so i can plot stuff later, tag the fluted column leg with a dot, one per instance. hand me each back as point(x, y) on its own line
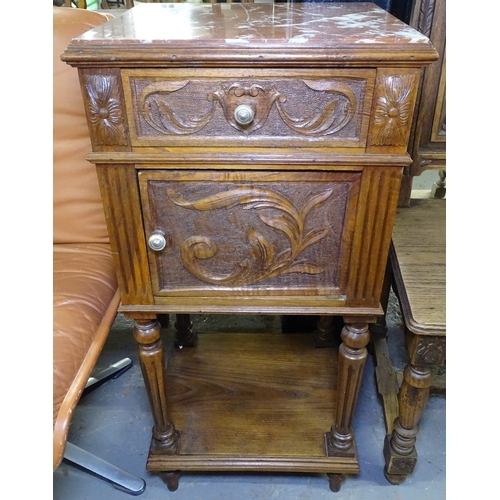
point(352, 358)
point(152, 360)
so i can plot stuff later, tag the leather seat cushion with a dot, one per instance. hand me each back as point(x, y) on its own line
point(78, 215)
point(84, 285)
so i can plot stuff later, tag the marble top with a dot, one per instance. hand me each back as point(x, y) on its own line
point(155, 34)
point(243, 24)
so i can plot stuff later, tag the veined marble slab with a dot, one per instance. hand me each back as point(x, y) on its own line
point(358, 28)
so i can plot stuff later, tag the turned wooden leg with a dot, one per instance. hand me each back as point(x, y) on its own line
point(164, 320)
point(152, 359)
point(184, 335)
point(352, 358)
point(323, 335)
point(298, 323)
point(399, 447)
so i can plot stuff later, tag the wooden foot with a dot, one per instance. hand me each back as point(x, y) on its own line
point(394, 478)
point(336, 481)
point(184, 336)
point(171, 479)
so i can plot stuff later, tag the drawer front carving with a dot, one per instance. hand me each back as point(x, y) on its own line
point(199, 108)
point(258, 232)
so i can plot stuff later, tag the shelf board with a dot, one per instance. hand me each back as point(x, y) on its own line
point(245, 401)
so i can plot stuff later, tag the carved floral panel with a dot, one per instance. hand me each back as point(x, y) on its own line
point(254, 234)
point(285, 110)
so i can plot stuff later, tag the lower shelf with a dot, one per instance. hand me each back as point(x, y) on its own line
point(252, 402)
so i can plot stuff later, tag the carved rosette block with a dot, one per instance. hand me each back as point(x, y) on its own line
point(426, 350)
point(393, 111)
point(152, 359)
point(104, 110)
point(394, 104)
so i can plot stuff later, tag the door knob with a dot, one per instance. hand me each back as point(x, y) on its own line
point(157, 242)
point(244, 114)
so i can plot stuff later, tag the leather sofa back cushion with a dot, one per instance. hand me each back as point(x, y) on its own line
point(78, 216)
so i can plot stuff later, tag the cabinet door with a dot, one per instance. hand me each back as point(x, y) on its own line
point(250, 232)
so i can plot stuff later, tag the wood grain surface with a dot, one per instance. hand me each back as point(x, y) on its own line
point(419, 261)
point(250, 393)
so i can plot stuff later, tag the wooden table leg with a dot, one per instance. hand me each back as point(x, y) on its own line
point(352, 358)
point(323, 335)
point(152, 359)
point(184, 335)
point(425, 352)
point(399, 447)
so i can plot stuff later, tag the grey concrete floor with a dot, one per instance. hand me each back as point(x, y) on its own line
point(114, 422)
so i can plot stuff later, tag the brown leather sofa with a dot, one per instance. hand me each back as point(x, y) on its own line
point(84, 282)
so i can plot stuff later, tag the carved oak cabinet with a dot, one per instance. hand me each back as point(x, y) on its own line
point(250, 158)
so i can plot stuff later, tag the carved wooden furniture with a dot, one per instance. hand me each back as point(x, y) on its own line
point(417, 261)
point(86, 296)
point(250, 160)
point(428, 138)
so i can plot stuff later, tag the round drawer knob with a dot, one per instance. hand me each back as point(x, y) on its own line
point(157, 242)
point(244, 114)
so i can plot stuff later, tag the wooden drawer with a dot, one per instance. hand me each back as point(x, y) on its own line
point(196, 107)
point(249, 233)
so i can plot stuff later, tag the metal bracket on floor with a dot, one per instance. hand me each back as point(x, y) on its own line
point(119, 478)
